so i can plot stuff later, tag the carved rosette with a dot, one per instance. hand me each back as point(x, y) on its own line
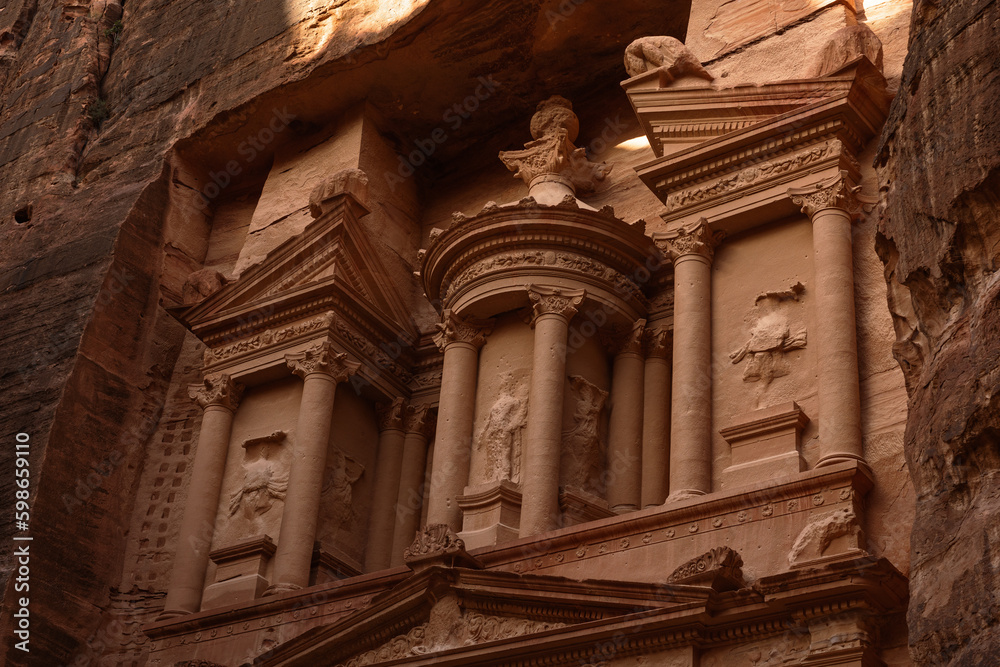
point(659, 343)
point(217, 389)
point(420, 419)
point(627, 341)
point(697, 240)
point(554, 128)
point(454, 329)
point(835, 192)
point(553, 300)
point(322, 358)
point(391, 416)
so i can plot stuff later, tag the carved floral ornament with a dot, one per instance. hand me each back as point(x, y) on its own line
point(217, 389)
point(625, 341)
point(455, 329)
point(391, 416)
point(420, 419)
point(697, 239)
point(322, 358)
point(834, 192)
point(553, 300)
point(658, 342)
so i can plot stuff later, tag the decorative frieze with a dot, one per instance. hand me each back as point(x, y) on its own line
point(217, 389)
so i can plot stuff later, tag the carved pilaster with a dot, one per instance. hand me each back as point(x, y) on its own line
point(217, 389)
point(834, 192)
point(625, 341)
point(658, 343)
point(554, 128)
point(322, 358)
point(698, 239)
point(545, 300)
point(391, 416)
point(420, 419)
point(454, 329)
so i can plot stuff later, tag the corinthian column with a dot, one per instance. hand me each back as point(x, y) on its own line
point(388, 467)
point(321, 369)
point(553, 310)
point(625, 422)
point(460, 341)
point(692, 251)
point(827, 204)
point(218, 396)
point(656, 417)
point(419, 425)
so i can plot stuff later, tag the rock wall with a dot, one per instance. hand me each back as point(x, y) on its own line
point(939, 238)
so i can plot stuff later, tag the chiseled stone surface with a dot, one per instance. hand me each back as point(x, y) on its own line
point(938, 236)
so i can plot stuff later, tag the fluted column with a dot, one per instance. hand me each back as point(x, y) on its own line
point(218, 396)
point(828, 204)
point(692, 251)
point(460, 340)
point(419, 424)
point(656, 417)
point(388, 467)
point(553, 310)
point(624, 479)
point(321, 369)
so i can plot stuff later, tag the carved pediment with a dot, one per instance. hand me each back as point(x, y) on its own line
point(332, 259)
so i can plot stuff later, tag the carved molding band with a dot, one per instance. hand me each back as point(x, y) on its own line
point(322, 358)
point(217, 389)
point(835, 192)
point(552, 300)
point(698, 239)
point(454, 329)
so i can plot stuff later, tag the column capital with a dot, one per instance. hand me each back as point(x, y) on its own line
point(625, 341)
point(546, 300)
point(390, 416)
point(420, 419)
point(217, 389)
point(455, 329)
point(659, 342)
point(833, 192)
point(697, 239)
point(323, 359)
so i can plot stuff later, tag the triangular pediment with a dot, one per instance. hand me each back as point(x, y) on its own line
point(331, 256)
point(451, 611)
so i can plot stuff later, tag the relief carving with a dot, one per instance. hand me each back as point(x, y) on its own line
point(342, 473)
point(625, 341)
point(772, 334)
point(554, 127)
point(391, 415)
point(501, 435)
point(658, 343)
point(820, 533)
point(546, 300)
point(217, 389)
point(267, 337)
point(835, 192)
point(420, 419)
point(453, 329)
point(666, 53)
point(583, 450)
point(437, 544)
point(265, 479)
point(720, 568)
point(697, 239)
point(323, 358)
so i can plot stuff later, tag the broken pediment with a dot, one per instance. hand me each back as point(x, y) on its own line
point(332, 258)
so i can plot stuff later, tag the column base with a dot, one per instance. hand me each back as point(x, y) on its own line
point(278, 589)
point(840, 457)
point(624, 509)
point(683, 494)
point(168, 614)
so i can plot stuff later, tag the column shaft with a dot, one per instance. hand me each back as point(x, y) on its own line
point(450, 468)
point(543, 433)
point(836, 338)
point(625, 433)
point(410, 494)
point(691, 411)
point(655, 431)
point(293, 557)
point(382, 527)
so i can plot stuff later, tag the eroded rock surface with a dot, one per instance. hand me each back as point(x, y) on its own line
point(939, 237)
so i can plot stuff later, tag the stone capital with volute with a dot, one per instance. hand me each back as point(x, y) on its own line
point(697, 240)
point(834, 192)
point(391, 416)
point(553, 300)
point(454, 329)
point(321, 358)
point(626, 341)
point(217, 389)
point(419, 419)
point(658, 342)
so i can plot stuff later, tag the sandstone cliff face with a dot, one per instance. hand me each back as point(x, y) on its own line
point(939, 237)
